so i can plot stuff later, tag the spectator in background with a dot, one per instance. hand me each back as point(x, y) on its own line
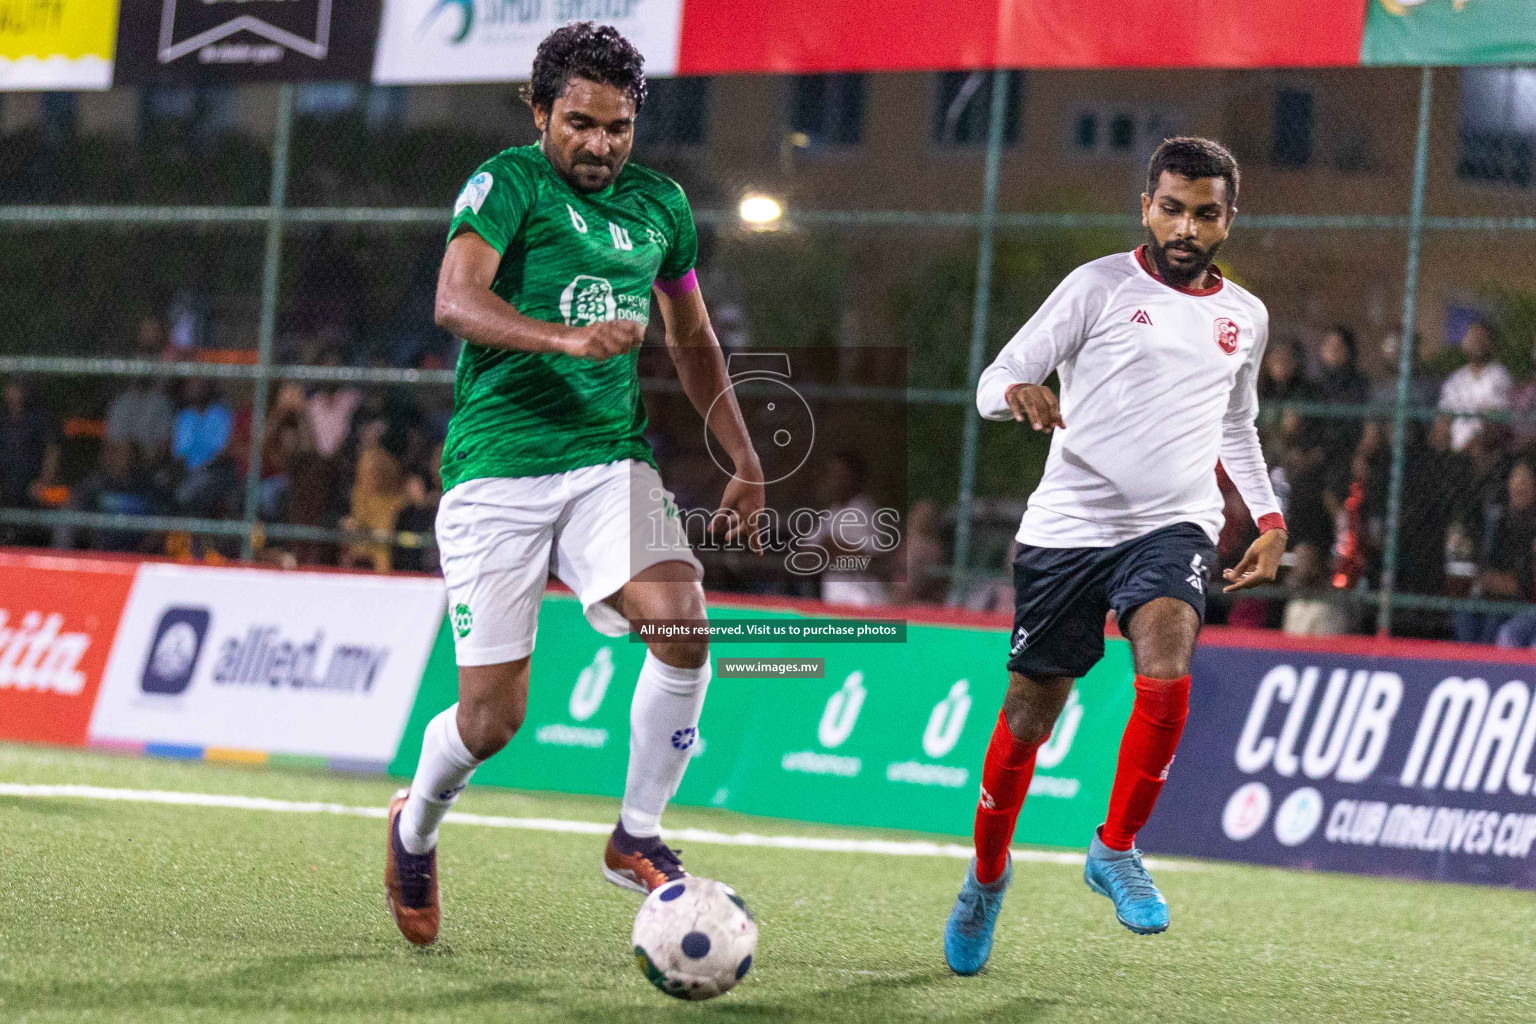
point(141, 414)
point(921, 558)
point(201, 440)
point(288, 438)
point(120, 485)
point(423, 493)
point(1310, 610)
point(379, 494)
point(1523, 412)
point(1483, 385)
point(1504, 570)
point(29, 447)
point(1423, 385)
point(331, 408)
point(848, 531)
point(1340, 382)
point(1280, 380)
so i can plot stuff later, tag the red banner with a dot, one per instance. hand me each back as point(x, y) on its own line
point(909, 35)
point(58, 617)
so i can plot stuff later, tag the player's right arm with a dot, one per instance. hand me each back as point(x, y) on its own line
point(468, 308)
point(1013, 386)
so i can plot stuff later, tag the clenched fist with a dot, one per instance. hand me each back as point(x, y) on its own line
point(605, 339)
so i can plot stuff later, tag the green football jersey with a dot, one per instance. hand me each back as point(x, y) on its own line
point(565, 258)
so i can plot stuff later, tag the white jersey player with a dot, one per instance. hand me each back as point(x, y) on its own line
point(1158, 355)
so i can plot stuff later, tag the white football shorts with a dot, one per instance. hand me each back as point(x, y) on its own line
point(595, 528)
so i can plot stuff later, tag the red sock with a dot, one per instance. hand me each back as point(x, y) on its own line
point(1146, 752)
point(1004, 782)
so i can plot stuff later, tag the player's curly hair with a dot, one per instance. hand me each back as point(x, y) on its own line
point(585, 49)
point(1190, 157)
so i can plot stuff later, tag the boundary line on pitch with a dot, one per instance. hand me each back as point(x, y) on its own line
point(819, 844)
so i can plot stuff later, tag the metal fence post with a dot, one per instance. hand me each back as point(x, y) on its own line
point(267, 327)
point(1405, 354)
point(979, 309)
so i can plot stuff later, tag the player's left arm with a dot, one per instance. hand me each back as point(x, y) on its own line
point(1243, 458)
point(701, 368)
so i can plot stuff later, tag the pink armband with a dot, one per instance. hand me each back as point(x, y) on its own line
point(681, 286)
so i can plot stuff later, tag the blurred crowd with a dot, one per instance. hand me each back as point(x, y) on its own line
point(365, 461)
point(361, 460)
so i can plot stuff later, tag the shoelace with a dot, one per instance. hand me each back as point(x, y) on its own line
point(415, 876)
point(665, 859)
point(1131, 878)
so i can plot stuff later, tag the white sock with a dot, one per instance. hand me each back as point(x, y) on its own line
point(663, 732)
point(441, 775)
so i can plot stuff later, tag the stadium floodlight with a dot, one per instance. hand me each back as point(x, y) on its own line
point(759, 211)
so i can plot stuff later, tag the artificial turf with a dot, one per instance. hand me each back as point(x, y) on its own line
point(144, 912)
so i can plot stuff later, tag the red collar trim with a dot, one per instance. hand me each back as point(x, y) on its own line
point(1213, 270)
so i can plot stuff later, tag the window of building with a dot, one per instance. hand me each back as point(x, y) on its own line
point(1115, 131)
point(828, 109)
point(675, 113)
point(1498, 125)
point(1292, 144)
point(964, 107)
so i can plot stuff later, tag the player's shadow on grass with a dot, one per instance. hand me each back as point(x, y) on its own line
point(889, 999)
point(273, 984)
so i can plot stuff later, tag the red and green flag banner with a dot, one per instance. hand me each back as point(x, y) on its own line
point(1449, 32)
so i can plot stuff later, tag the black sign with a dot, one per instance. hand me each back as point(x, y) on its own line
point(1411, 766)
point(216, 41)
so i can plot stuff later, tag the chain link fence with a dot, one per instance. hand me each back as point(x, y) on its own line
point(218, 337)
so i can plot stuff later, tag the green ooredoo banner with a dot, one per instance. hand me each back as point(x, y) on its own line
point(893, 735)
point(1449, 32)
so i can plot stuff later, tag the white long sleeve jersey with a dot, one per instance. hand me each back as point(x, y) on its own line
point(1157, 385)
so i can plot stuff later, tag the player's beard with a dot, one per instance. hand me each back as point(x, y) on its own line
point(568, 170)
point(1186, 275)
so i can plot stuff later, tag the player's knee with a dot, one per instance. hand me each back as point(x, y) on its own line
point(683, 653)
point(487, 726)
point(1163, 665)
point(1030, 718)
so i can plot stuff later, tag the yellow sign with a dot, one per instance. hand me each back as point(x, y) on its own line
point(57, 44)
point(1402, 7)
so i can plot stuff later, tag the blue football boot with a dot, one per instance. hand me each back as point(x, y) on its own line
point(1119, 874)
point(968, 932)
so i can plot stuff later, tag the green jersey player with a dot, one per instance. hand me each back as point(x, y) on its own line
point(555, 255)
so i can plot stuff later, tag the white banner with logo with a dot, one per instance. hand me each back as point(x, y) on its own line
point(320, 664)
point(442, 41)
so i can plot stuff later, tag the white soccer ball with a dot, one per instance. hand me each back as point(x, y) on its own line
point(694, 938)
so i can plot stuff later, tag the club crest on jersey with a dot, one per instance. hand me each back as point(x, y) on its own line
point(1226, 335)
point(1141, 318)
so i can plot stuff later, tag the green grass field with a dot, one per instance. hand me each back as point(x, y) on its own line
point(144, 912)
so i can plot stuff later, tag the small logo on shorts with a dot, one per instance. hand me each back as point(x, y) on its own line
point(463, 621)
point(1020, 640)
point(1201, 572)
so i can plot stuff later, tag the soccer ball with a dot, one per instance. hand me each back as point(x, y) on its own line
point(694, 938)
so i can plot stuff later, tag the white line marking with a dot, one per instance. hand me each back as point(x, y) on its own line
point(885, 847)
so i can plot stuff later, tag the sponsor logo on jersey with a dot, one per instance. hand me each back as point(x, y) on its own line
point(1141, 317)
point(473, 196)
point(1226, 335)
point(587, 300)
